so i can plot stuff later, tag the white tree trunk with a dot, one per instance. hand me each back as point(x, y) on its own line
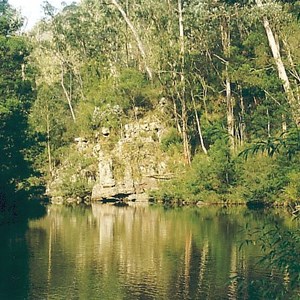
point(199, 126)
point(275, 48)
point(225, 33)
point(242, 125)
point(181, 31)
point(186, 147)
point(136, 36)
point(229, 104)
point(48, 142)
point(67, 95)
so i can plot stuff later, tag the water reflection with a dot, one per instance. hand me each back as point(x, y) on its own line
point(106, 252)
point(13, 262)
point(14, 256)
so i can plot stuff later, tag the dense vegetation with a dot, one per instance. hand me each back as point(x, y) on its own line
point(226, 71)
point(16, 98)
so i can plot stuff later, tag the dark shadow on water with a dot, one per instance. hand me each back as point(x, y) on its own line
point(19, 207)
point(13, 261)
point(16, 209)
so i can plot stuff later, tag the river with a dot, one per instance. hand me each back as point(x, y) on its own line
point(135, 252)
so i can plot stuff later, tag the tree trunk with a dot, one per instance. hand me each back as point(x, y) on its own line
point(199, 127)
point(136, 36)
point(23, 72)
point(242, 124)
point(225, 33)
point(275, 48)
point(269, 123)
point(204, 96)
point(176, 117)
point(229, 104)
point(294, 71)
point(67, 95)
point(48, 143)
point(184, 117)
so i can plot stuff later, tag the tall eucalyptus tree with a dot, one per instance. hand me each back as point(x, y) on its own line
point(136, 36)
point(282, 73)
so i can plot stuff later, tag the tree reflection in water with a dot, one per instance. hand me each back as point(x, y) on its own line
point(138, 252)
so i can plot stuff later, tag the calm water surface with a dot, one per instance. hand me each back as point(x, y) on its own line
point(137, 252)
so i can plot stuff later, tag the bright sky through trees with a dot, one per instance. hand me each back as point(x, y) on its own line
point(32, 9)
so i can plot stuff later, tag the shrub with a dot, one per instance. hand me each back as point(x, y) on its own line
point(171, 138)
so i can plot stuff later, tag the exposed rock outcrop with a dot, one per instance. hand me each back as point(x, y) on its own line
point(105, 168)
point(131, 167)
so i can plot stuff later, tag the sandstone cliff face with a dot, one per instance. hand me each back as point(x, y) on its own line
point(132, 166)
point(127, 167)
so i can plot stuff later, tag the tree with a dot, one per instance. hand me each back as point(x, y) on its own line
point(282, 73)
point(16, 96)
point(136, 36)
point(10, 21)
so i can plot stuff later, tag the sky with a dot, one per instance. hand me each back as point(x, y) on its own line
point(32, 9)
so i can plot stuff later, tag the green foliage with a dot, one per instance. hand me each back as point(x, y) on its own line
point(291, 192)
point(10, 21)
point(264, 180)
point(277, 181)
point(211, 178)
point(171, 139)
point(134, 90)
point(280, 247)
point(16, 96)
point(222, 177)
point(97, 56)
point(77, 175)
point(79, 188)
point(288, 143)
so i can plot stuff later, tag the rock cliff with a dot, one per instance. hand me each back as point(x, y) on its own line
point(127, 166)
point(133, 165)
